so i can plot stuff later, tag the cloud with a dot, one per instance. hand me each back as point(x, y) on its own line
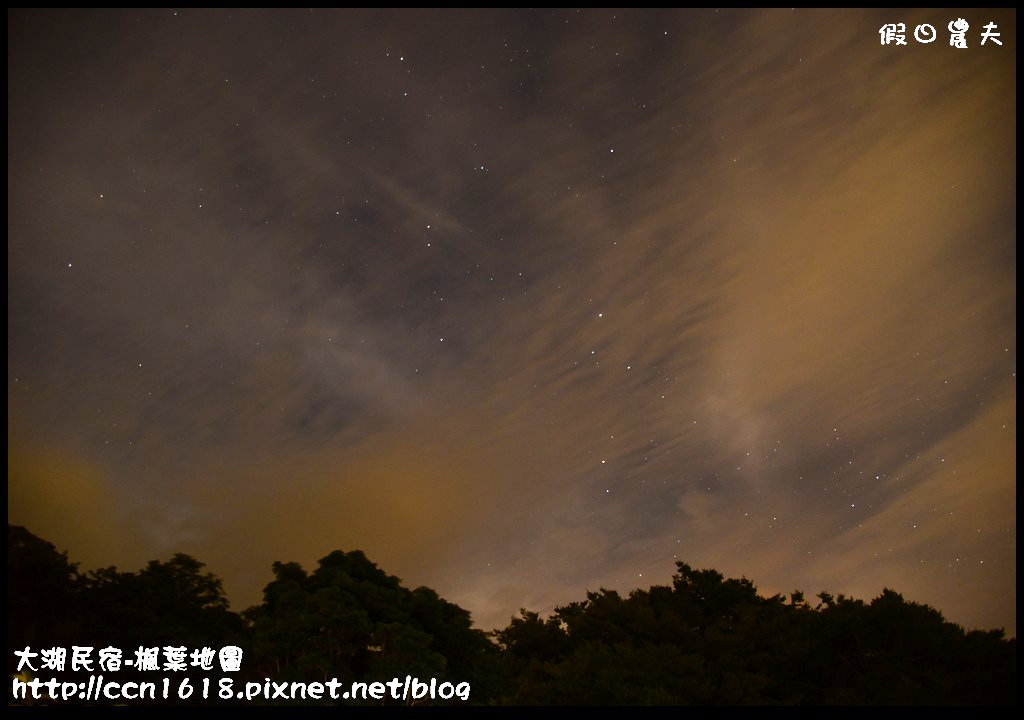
point(69, 501)
point(791, 284)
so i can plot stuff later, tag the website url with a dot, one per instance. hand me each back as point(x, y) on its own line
point(98, 688)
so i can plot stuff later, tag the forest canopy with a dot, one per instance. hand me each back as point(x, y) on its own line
point(703, 640)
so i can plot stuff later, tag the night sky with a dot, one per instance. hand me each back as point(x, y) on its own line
point(519, 303)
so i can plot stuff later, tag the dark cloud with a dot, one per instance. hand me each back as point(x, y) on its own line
point(520, 303)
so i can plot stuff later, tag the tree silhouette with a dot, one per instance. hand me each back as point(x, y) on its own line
point(42, 593)
point(351, 620)
point(709, 640)
point(703, 640)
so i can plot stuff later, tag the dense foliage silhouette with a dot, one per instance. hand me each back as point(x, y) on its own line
point(704, 640)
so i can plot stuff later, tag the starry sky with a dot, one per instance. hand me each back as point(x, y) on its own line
point(520, 303)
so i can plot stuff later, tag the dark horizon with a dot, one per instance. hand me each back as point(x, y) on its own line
point(519, 303)
point(815, 600)
point(702, 640)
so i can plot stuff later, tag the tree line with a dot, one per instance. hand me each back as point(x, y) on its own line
point(703, 640)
